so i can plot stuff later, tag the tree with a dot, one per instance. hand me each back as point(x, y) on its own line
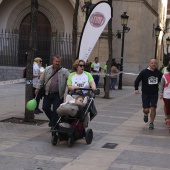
point(74, 33)
point(110, 56)
point(29, 115)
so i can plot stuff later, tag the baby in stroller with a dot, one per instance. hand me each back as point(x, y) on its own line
point(71, 108)
point(75, 114)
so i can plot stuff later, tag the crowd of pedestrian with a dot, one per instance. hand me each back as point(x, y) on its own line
point(55, 78)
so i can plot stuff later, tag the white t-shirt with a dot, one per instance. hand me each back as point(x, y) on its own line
point(83, 80)
point(96, 67)
point(36, 71)
point(166, 93)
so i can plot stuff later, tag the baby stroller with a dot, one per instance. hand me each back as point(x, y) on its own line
point(74, 127)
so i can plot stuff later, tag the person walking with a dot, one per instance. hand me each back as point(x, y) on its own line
point(164, 70)
point(113, 76)
point(37, 71)
point(104, 77)
point(95, 68)
point(164, 92)
point(150, 78)
point(55, 78)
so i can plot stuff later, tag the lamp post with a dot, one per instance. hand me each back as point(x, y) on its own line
point(86, 8)
point(167, 56)
point(124, 21)
point(157, 31)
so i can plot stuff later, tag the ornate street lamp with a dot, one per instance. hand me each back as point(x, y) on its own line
point(157, 31)
point(87, 6)
point(124, 21)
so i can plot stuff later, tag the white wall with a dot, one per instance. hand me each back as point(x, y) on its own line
point(67, 11)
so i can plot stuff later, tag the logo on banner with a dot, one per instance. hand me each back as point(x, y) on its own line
point(97, 19)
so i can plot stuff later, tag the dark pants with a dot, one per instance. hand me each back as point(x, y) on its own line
point(52, 99)
point(149, 100)
point(104, 84)
point(96, 79)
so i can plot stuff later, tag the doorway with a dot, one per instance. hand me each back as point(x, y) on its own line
point(43, 38)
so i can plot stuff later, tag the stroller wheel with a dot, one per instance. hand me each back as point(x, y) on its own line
point(54, 139)
point(70, 141)
point(89, 136)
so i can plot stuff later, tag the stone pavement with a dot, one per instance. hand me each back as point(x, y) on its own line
point(119, 121)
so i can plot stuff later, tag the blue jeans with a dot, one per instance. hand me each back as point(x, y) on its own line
point(52, 99)
point(113, 83)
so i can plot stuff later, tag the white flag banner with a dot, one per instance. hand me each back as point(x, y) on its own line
point(94, 26)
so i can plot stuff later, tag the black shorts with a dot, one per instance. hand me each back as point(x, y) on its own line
point(149, 101)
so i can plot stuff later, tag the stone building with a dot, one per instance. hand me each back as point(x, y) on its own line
point(56, 16)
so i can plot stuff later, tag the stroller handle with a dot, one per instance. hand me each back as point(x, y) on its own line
point(80, 91)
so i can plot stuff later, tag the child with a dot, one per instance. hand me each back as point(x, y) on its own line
point(79, 99)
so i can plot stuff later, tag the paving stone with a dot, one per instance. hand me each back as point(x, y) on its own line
point(143, 159)
point(119, 120)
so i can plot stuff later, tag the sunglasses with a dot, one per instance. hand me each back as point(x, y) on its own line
point(40, 61)
point(82, 65)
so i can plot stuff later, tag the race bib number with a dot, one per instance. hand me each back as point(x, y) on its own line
point(152, 80)
point(80, 84)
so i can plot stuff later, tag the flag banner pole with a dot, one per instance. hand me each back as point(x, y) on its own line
point(93, 28)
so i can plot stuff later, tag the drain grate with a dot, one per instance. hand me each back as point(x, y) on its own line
point(110, 145)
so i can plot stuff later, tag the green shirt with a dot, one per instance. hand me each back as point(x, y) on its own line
point(105, 69)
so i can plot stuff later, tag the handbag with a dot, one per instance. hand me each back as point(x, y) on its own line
point(42, 90)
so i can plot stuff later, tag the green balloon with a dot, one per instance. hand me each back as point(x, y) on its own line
point(31, 105)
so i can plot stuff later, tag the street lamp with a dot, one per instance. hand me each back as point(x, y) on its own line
point(124, 21)
point(86, 8)
point(167, 56)
point(157, 31)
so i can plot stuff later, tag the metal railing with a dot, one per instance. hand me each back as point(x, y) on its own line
point(14, 45)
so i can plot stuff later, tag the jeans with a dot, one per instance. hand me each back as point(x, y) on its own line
point(52, 99)
point(113, 83)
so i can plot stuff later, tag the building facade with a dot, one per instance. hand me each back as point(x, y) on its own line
point(56, 17)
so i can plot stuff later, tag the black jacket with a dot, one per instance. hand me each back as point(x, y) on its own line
point(150, 80)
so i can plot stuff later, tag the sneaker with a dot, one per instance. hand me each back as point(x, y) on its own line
point(151, 126)
point(145, 118)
